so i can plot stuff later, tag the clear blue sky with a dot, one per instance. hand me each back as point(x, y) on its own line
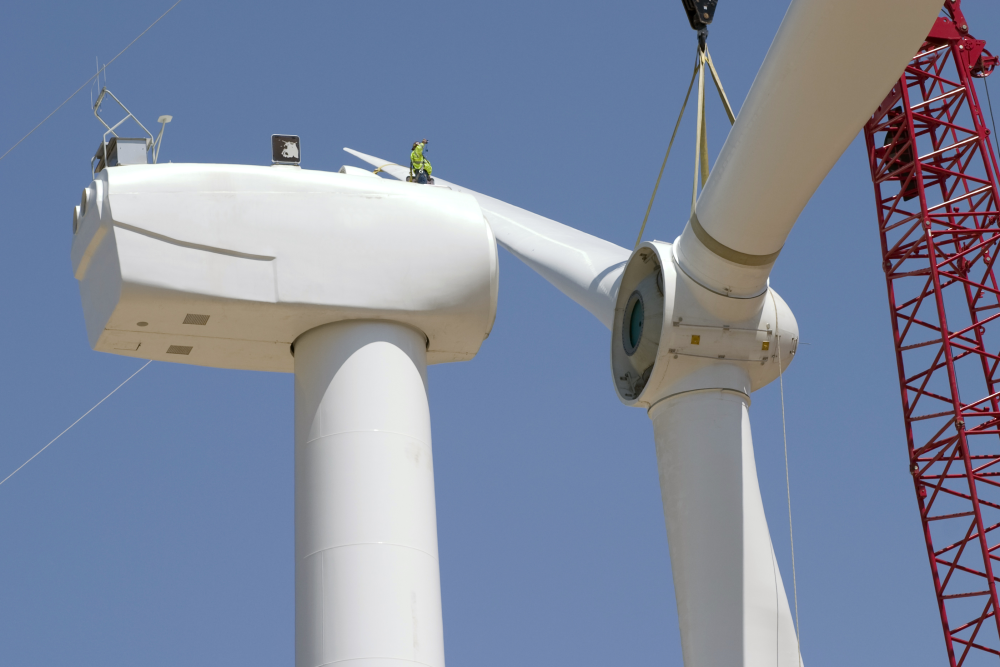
point(159, 530)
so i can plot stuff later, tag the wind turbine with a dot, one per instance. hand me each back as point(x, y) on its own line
point(695, 326)
point(355, 284)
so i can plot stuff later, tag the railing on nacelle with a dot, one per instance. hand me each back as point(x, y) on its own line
point(149, 143)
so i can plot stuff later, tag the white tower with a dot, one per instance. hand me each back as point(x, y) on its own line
point(355, 284)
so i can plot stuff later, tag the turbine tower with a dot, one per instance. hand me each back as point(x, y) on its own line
point(354, 284)
point(695, 327)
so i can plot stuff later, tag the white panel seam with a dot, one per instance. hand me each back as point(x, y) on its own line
point(268, 341)
point(724, 390)
point(193, 246)
point(358, 544)
point(373, 430)
point(376, 657)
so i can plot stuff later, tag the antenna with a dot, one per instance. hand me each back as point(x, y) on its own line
point(163, 120)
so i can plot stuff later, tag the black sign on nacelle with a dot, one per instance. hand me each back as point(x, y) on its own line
point(285, 149)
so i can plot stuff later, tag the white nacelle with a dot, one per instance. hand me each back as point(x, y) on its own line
point(225, 265)
point(687, 338)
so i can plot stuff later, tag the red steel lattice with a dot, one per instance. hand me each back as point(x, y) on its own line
point(935, 177)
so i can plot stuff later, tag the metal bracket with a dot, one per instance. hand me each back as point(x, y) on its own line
point(111, 128)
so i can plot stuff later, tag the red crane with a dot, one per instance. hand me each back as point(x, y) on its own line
point(935, 178)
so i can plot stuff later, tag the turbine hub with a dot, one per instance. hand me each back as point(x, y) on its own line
point(672, 335)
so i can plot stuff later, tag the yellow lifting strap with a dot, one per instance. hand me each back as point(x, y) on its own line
point(701, 149)
point(701, 167)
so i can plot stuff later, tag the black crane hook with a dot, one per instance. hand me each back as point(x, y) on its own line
point(700, 14)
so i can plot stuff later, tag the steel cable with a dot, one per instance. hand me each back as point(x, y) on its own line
point(788, 484)
point(77, 421)
point(97, 74)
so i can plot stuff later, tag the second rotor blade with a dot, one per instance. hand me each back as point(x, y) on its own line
point(829, 66)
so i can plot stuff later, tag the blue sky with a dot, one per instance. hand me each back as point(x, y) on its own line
point(159, 530)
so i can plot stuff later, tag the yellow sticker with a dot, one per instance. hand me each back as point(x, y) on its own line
point(696, 340)
point(766, 345)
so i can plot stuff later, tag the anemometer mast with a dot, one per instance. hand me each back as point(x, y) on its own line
point(935, 178)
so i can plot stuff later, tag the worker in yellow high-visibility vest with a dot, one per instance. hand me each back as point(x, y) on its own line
point(420, 167)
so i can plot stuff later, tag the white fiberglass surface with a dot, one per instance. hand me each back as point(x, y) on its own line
point(731, 603)
point(367, 574)
point(582, 266)
point(767, 171)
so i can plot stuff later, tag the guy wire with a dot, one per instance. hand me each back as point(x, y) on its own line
point(97, 76)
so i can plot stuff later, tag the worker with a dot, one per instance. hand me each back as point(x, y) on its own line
point(420, 167)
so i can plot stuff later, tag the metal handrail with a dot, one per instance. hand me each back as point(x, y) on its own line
point(111, 129)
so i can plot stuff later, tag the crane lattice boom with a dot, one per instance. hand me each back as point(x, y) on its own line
point(935, 178)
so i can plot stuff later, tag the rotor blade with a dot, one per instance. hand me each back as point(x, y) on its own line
point(585, 268)
point(731, 603)
point(830, 65)
point(395, 170)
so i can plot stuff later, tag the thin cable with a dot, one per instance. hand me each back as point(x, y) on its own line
point(88, 81)
point(664, 165)
point(990, 102)
point(788, 484)
point(77, 421)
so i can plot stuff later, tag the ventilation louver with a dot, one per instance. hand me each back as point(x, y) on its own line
point(179, 349)
point(196, 319)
